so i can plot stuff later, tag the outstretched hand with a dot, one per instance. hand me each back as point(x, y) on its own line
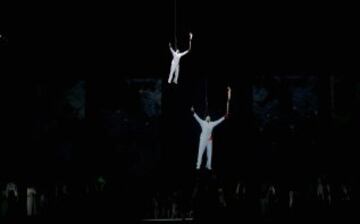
point(226, 116)
point(192, 109)
point(190, 35)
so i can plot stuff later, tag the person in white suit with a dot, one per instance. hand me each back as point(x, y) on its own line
point(175, 63)
point(205, 143)
point(207, 127)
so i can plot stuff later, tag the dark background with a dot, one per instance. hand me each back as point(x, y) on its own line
point(49, 48)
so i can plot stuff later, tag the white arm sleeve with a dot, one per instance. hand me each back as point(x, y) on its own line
point(183, 53)
point(172, 50)
point(217, 122)
point(198, 119)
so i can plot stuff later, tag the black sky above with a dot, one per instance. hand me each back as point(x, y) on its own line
point(131, 38)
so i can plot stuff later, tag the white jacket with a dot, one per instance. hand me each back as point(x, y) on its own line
point(207, 127)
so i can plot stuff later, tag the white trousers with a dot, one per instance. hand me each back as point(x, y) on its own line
point(205, 144)
point(174, 70)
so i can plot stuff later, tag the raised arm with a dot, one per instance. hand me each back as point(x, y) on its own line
point(198, 119)
point(188, 50)
point(217, 122)
point(171, 49)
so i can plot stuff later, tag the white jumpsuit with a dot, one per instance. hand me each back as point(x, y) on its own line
point(206, 140)
point(175, 65)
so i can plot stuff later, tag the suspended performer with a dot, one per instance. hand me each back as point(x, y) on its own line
point(175, 63)
point(206, 142)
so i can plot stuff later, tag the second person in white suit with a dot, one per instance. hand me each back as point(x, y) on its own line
point(206, 142)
